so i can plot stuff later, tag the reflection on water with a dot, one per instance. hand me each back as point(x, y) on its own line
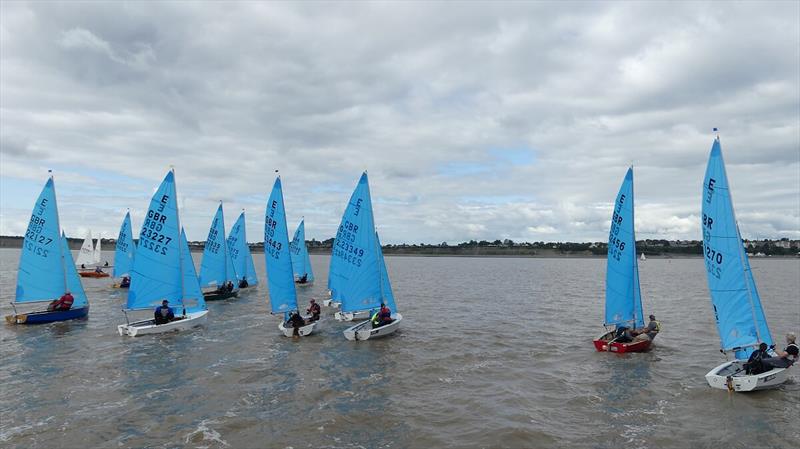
point(492, 353)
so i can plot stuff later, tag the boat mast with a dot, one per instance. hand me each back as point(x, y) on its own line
point(180, 232)
point(740, 249)
point(60, 236)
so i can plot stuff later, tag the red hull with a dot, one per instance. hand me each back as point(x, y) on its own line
point(601, 344)
point(93, 274)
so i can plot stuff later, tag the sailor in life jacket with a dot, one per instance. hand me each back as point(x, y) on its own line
point(787, 357)
point(650, 331)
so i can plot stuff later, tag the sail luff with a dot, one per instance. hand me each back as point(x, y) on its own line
point(58, 226)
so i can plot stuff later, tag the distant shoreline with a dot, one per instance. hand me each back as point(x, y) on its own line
point(532, 251)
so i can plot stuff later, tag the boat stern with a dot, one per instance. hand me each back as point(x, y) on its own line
point(730, 376)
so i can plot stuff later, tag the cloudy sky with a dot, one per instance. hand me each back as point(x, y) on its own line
point(474, 120)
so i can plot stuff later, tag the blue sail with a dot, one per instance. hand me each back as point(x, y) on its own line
point(280, 280)
point(355, 270)
point(74, 285)
point(193, 299)
point(156, 273)
point(240, 252)
point(41, 274)
point(301, 263)
point(217, 266)
point(623, 296)
point(386, 286)
point(124, 252)
point(737, 306)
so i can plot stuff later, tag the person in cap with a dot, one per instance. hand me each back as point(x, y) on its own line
point(314, 310)
point(164, 313)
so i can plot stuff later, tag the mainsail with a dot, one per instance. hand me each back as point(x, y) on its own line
point(737, 306)
point(623, 296)
point(217, 266)
point(86, 253)
point(280, 280)
point(97, 255)
point(355, 271)
point(124, 251)
point(41, 275)
point(301, 263)
point(157, 273)
point(240, 252)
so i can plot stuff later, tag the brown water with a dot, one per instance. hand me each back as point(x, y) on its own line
point(492, 353)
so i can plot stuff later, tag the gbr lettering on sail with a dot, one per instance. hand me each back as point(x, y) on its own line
point(713, 258)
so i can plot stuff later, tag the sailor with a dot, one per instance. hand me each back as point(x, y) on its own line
point(313, 310)
point(83, 267)
point(106, 264)
point(303, 279)
point(787, 357)
point(98, 270)
point(243, 283)
point(754, 364)
point(384, 315)
point(297, 322)
point(164, 313)
point(650, 331)
point(624, 334)
point(61, 304)
point(126, 282)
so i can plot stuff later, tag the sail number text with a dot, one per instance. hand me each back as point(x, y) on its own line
point(151, 237)
point(34, 242)
point(344, 248)
point(616, 246)
point(271, 246)
point(713, 257)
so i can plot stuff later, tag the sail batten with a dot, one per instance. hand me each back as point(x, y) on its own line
point(280, 277)
point(735, 300)
point(623, 294)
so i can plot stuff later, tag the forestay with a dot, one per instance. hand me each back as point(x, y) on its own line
point(737, 306)
point(623, 296)
point(280, 280)
point(156, 273)
point(125, 250)
point(217, 266)
point(386, 285)
point(192, 297)
point(301, 263)
point(240, 252)
point(355, 271)
point(41, 274)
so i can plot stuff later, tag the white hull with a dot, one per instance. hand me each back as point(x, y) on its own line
point(147, 327)
point(306, 330)
point(731, 376)
point(352, 316)
point(331, 303)
point(365, 331)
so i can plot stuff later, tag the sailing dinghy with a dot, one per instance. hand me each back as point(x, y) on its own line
point(280, 277)
point(163, 269)
point(46, 269)
point(124, 252)
point(623, 295)
point(240, 254)
point(216, 270)
point(359, 274)
point(89, 259)
point(301, 263)
point(737, 307)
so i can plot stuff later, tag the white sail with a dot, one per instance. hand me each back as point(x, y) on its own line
point(86, 254)
point(97, 252)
